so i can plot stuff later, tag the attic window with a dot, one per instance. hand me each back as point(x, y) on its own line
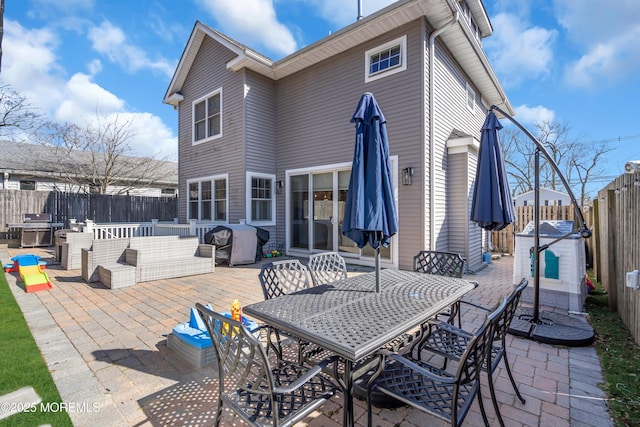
point(207, 117)
point(387, 59)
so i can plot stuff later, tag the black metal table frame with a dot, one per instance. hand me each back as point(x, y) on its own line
point(351, 319)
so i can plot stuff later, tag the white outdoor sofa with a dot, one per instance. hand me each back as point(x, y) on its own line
point(163, 257)
point(117, 263)
point(71, 256)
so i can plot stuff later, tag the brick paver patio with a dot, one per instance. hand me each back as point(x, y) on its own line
point(108, 348)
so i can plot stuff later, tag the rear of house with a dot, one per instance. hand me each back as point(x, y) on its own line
point(271, 143)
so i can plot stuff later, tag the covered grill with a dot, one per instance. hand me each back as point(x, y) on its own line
point(36, 229)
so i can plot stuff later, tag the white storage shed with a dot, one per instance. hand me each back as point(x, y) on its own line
point(562, 266)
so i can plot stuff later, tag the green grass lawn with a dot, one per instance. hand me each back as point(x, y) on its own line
point(21, 364)
point(620, 357)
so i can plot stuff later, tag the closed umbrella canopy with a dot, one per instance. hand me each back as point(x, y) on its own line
point(492, 205)
point(370, 213)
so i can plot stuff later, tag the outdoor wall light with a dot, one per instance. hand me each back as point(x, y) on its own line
point(279, 187)
point(407, 173)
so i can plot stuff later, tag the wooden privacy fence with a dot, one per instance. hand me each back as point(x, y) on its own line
point(98, 207)
point(616, 246)
point(504, 240)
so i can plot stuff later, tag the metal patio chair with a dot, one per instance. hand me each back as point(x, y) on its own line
point(261, 393)
point(327, 267)
point(446, 395)
point(451, 342)
point(448, 264)
point(283, 277)
point(280, 278)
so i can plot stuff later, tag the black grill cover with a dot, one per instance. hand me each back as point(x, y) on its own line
point(222, 237)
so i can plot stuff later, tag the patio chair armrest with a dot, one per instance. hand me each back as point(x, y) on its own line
point(480, 307)
point(312, 372)
point(417, 368)
point(448, 328)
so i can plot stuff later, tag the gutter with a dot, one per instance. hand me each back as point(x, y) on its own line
point(432, 136)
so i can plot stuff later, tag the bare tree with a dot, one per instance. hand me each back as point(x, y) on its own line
point(97, 158)
point(17, 117)
point(572, 158)
point(586, 164)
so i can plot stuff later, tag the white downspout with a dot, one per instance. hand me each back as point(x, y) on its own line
point(432, 137)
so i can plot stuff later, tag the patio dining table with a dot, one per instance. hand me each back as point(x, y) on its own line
point(352, 320)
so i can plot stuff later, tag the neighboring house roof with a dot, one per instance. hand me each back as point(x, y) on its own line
point(459, 40)
point(545, 194)
point(547, 190)
point(42, 161)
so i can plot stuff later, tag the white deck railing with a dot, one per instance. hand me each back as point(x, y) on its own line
point(153, 228)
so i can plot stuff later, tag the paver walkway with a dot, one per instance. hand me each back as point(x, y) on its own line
point(108, 348)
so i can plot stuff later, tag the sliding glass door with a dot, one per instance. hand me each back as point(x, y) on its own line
point(316, 203)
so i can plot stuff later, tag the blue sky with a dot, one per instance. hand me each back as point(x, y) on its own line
point(566, 60)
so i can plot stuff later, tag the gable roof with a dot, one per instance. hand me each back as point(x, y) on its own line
point(42, 161)
point(460, 41)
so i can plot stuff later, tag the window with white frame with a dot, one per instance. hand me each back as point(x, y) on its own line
point(207, 117)
point(382, 61)
point(208, 199)
point(471, 98)
point(261, 205)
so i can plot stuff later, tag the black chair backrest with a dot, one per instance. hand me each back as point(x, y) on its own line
point(242, 361)
point(327, 267)
point(441, 263)
point(283, 277)
point(479, 347)
point(504, 322)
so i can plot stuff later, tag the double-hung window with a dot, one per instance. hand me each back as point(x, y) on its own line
point(382, 61)
point(207, 117)
point(208, 199)
point(261, 206)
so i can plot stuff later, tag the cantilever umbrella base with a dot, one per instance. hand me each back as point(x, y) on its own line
point(552, 328)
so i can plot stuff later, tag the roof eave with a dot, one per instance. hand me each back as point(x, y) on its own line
point(438, 12)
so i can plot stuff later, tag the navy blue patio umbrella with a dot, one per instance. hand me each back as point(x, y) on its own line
point(370, 213)
point(491, 205)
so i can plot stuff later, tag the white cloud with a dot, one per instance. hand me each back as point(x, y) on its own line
point(94, 67)
point(82, 99)
point(253, 22)
point(534, 115)
point(608, 33)
point(29, 64)
point(111, 41)
point(30, 67)
point(153, 136)
point(518, 51)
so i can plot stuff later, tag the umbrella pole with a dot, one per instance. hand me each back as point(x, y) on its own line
point(378, 269)
point(536, 241)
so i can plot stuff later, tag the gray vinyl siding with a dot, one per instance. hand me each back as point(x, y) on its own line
point(314, 112)
point(458, 206)
point(451, 113)
point(222, 155)
point(260, 130)
point(260, 123)
point(474, 232)
point(465, 237)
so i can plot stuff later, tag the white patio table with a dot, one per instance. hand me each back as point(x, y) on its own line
point(352, 320)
